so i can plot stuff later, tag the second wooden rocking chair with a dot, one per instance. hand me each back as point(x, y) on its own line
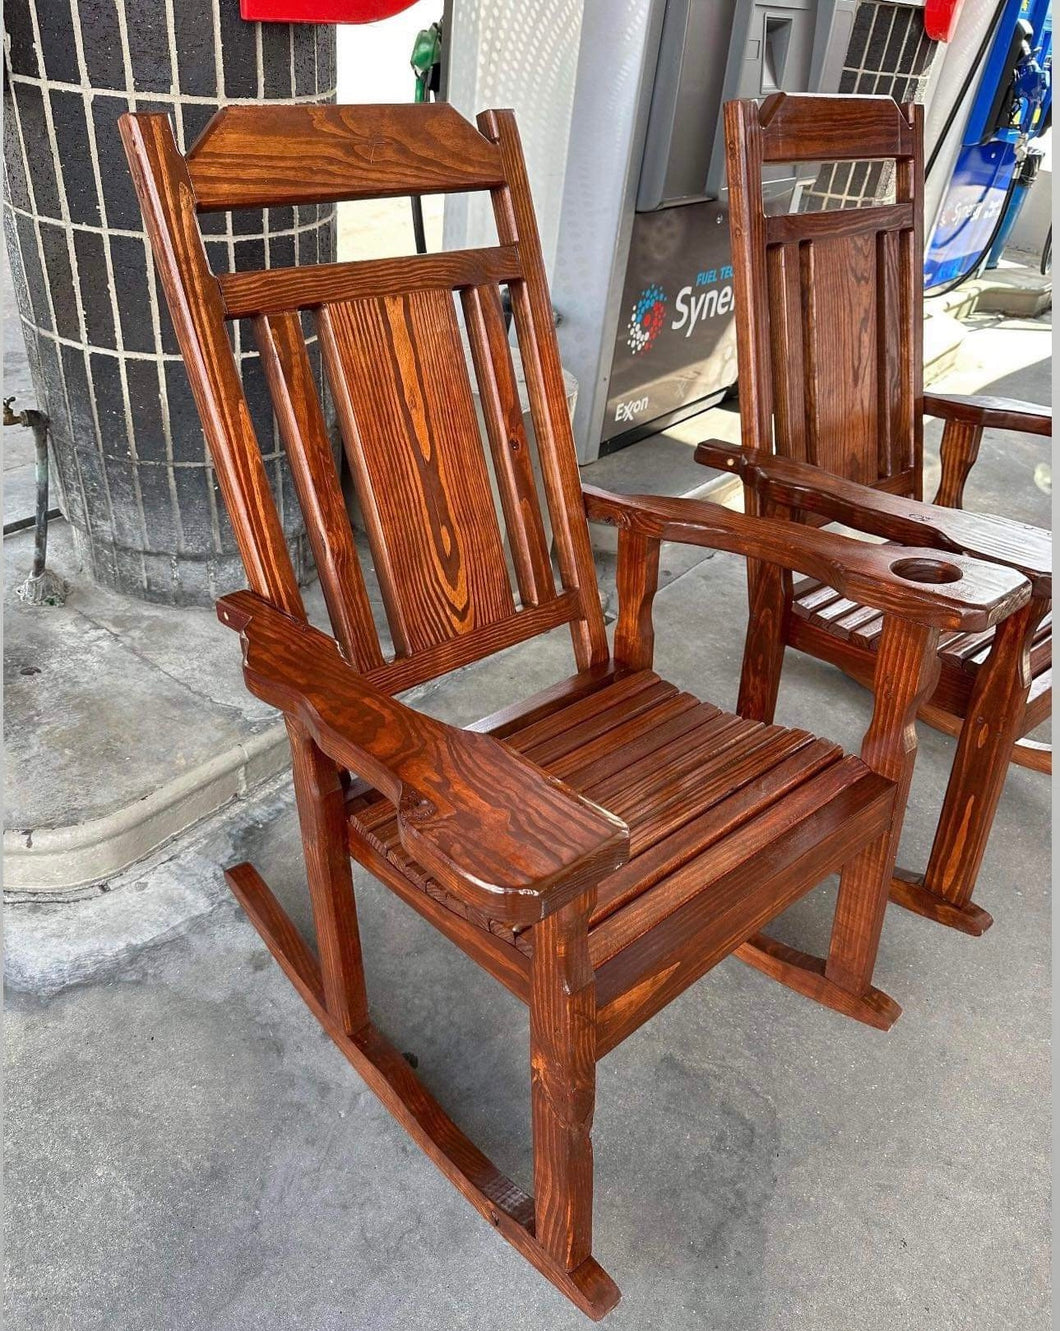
point(829, 322)
point(599, 846)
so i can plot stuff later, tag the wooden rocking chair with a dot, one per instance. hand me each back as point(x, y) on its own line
point(600, 846)
point(829, 321)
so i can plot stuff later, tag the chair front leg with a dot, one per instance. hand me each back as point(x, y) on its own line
point(563, 1081)
point(991, 727)
point(322, 820)
point(907, 670)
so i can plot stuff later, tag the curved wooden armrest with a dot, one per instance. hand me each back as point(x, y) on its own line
point(999, 413)
point(485, 821)
point(914, 584)
point(1016, 545)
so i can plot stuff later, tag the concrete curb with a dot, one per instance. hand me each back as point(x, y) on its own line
point(58, 859)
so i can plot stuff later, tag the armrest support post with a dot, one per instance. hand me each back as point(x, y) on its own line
point(907, 670)
point(958, 452)
point(637, 582)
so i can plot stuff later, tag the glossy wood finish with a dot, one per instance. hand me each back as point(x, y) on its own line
point(829, 336)
point(599, 846)
point(485, 823)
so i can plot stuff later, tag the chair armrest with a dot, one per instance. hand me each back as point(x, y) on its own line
point(1016, 545)
point(492, 827)
point(999, 413)
point(950, 593)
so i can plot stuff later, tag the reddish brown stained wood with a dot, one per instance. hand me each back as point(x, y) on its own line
point(274, 155)
point(500, 1201)
point(168, 202)
point(791, 484)
point(838, 298)
point(997, 413)
point(503, 414)
point(322, 819)
point(907, 667)
point(305, 434)
point(563, 1082)
point(955, 592)
point(638, 581)
point(515, 848)
point(396, 369)
point(279, 290)
point(785, 228)
point(511, 841)
point(836, 128)
point(513, 212)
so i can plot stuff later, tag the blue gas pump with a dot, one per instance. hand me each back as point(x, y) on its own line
point(1011, 109)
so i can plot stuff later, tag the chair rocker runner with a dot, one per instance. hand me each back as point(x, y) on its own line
point(601, 845)
point(829, 323)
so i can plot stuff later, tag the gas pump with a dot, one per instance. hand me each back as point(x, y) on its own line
point(997, 159)
point(669, 298)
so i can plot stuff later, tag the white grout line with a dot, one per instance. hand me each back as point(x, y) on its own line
point(136, 235)
point(61, 369)
point(188, 99)
point(64, 210)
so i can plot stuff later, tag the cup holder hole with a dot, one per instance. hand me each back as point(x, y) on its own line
point(926, 570)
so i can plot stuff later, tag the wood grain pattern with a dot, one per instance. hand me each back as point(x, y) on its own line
point(513, 212)
point(838, 332)
point(276, 290)
point(788, 228)
point(511, 841)
point(396, 369)
point(276, 155)
point(167, 199)
point(503, 414)
point(598, 846)
point(968, 594)
point(793, 485)
point(298, 412)
point(563, 1082)
point(797, 127)
point(996, 413)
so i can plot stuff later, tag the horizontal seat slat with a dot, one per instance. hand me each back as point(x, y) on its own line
point(276, 290)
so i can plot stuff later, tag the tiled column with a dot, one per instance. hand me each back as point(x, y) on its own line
point(134, 477)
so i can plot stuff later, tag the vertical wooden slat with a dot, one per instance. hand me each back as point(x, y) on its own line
point(297, 405)
point(397, 371)
point(893, 409)
point(167, 199)
point(785, 334)
point(909, 185)
point(516, 224)
point(502, 412)
point(743, 150)
point(839, 335)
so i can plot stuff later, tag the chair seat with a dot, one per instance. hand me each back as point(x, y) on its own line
point(711, 801)
point(861, 625)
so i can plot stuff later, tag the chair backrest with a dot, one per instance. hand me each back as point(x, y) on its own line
point(829, 304)
point(396, 367)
